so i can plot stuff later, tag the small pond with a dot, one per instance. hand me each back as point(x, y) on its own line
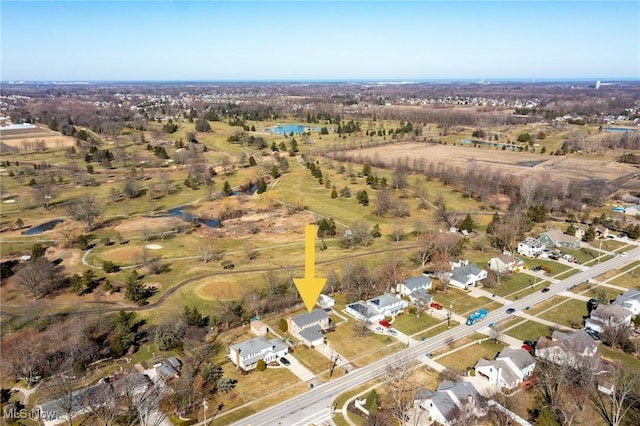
point(287, 129)
point(618, 129)
point(47, 226)
point(491, 144)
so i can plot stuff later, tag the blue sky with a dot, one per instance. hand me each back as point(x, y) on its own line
point(305, 40)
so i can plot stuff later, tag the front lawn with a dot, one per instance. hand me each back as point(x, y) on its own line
point(465, 358)
point(529, 330)
point(409, 324)
point(567, 313)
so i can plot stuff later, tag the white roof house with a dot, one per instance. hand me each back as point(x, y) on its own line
point(325, 302)
point(508, 369)
point(377, 308)
point(504, 263)
point(530, 247)
point(566, 348)
point(630, 300)
point(604, 316)
point(246, 354)
point(406, 287)
point(467, 276)
point(444, 404)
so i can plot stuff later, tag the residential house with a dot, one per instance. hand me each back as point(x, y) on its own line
point(377, 308)
point(510, 368)
point(601, 231)
point(408, 286)
point(245, 355)
point(168, 368)
point(630, 300)
point(420, 297)
point(467, 276)
point(325, 302)
point(449, 401)
point(505, 263)
point(309, 327)
point(566, 348)
point(555, 238)
point(530, 247)
point(604, 316)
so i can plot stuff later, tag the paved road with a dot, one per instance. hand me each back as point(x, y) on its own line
point(316, 403)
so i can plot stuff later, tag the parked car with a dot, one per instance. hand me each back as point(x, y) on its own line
point(384, 323)
point(623, 254)
point(527, 348)
point(622, 235)
point(537, 268)
point(591, 332)
point(544, 290)
point(379, 329)
point(392, 332)
point(530, 343)
point(436, 305)
point(285, 361)
point(510, 310)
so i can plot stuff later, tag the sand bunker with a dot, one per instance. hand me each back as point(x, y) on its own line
point(153, 246)
point(9, 201)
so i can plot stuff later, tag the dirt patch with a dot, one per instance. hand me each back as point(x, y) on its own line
point(151, 224)
point(514, 163)
point(122, 255)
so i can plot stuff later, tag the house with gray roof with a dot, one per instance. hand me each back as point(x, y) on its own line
point(444, 405)
point(555, 238)
point(630, 300)
point(377, 308)
point(408, 286)
point(531, 247)
point(566, 348)
point(309, 327)
point(245, 355)
point(168, 368)
point(509, 368)
point(467, 276)
point(604, 316)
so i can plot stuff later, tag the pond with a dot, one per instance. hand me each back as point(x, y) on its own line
point(287, 129)
point(618, 129)
point(47, 226)
point(491, 144)
point(190, 217)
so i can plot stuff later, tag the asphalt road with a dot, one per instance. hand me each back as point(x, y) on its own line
point(315, 404)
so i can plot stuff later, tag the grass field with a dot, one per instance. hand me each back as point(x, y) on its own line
point(528, 330)
point(410, 324)
point(566, 312)
point(466, 357)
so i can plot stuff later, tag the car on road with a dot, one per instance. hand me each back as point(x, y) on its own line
point(623, 254)
point(537, 268)
point(384, 323)
point(285, 361)
point(544, 290)
point(392, 332)
point(611, 237)
point(510, 310)
point(622, 235)
point(436, 305)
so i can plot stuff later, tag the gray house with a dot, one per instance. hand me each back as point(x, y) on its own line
point(556, 238)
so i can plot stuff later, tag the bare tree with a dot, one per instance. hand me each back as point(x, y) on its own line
point(39, 276)
point(85, 208)
point(210, 252)
point(44, 191)
point(397, 232)
point(401, 387)
point(613, 406)
point(23, 356)
point(383, 202)
point(250, 250)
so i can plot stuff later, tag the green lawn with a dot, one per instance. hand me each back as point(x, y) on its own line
point(409, 324)
point(554, 267)
point(567, 312)
point(512, 284)
point(465, 358)
point(618, 356)
point(311, 359)
point(629, 279)
point(529, 330)
point(462, 302)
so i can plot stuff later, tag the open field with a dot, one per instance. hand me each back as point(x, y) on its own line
point(509, 162)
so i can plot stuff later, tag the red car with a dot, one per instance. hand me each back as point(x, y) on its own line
point(527, 348)
point(385, 323)
point(436, 305)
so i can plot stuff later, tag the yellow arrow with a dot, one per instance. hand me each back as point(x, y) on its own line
point(309, 287)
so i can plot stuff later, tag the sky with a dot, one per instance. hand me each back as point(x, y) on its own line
point(177, 40)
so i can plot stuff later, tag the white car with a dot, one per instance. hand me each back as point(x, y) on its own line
point(623, 254)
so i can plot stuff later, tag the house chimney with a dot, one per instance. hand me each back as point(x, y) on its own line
point(238, 358)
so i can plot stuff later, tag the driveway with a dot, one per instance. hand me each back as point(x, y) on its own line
point(298, 369)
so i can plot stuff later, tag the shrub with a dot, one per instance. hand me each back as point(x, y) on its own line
point(109, 267)
point(284, 327)
point(261, 366)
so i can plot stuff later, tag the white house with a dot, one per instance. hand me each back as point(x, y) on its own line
point(505, 263)
point(605, 316)
point(447, 402)
point(245, 355)
point(377, 308)
point(566, 348)
point(408, 286)
point(467, 276)
point(309, 327)
point(508, 369)
point(630, 300)
point(530, 247)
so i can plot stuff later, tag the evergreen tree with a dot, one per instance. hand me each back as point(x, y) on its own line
point(589, 234)
point(275, 173)
point(571, 230)
point(467, 224)
point(284, 327)
point(495, 220)
point(134, 288)
point(262, 186)
point(363, 197)
point(334, 193)
point(252, 161)
point(375, 232)
point(227, 189)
